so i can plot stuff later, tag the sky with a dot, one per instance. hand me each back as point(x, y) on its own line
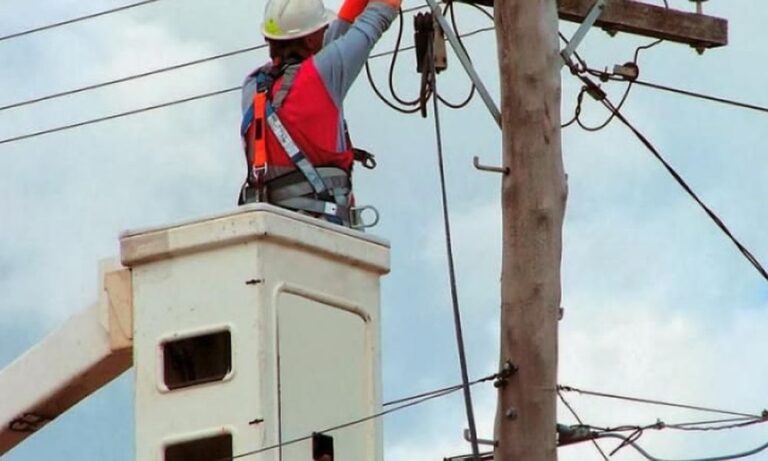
point(658, 303)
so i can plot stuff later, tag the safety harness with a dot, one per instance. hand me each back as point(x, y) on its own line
point(322, 191)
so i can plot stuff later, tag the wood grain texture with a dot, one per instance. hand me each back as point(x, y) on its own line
point(533, 205)
point(653, 21)
point(696, 30)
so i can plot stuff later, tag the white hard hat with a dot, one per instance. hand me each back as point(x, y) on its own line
point(289, 19)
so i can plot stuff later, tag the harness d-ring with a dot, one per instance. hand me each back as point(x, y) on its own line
point(357, 217)
point(369, 162)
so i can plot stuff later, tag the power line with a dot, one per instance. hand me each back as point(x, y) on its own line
point(131, 77)
point(411, 106)
point(606, 76)
point(167, 104)
point(148, 73)
point(578, 419)
point(656, 402)
point(698, 426)
point(648, 456)
point(695, 426)
point(584, 68)
point(118, 115)
point(701, 426)
point(598, 94)
point(455, 387)
point(75, 20)
point(338, 427)
point(472, 88)
point(449, 253)
point(410, 47)
point(679, 179)
point(707, 426)
point(705, 97)
point(409, 402)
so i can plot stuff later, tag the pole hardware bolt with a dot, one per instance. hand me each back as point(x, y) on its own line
point(511, 413)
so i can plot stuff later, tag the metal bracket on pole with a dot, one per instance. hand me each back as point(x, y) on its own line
point(589, 22)
point(492, 169)
point(464, 58)
point(468, 438)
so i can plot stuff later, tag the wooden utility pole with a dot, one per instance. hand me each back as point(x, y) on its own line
point(533, 205)
point(534, 195)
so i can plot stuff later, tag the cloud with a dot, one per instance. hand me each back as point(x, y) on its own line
point(657, 302)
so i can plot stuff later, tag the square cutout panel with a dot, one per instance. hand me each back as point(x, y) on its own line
point(196, 360)
point(206, 449)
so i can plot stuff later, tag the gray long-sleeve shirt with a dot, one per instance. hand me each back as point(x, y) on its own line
point(345, 50)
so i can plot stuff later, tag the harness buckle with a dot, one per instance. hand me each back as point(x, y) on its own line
point(249, 194)
point(356, 217)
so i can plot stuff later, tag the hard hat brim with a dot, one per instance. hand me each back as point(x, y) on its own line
point(328, 17)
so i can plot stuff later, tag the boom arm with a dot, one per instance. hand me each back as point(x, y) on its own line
point(88, 351)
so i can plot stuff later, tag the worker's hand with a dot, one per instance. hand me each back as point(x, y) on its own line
point(396, 4)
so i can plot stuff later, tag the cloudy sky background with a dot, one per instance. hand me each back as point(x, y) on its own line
point(658, 303)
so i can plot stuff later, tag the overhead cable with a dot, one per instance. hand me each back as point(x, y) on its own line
point(118, 115)
point(655, 402)
point(75, 20)
point(409, 402)
point(131, 77)
point(410, 47)
point(410, 106)
point(167, 104)
point(708, 426)
point(577, 111)
point(679, 179)
point(449, 254)
point(149, 73)
point(722, 424)
point(648, 456)
point(338, 427)
point(399, 104)
point(578, 419)
point(599, 95)
point(455, 387)
point(705, 97)
point(451, 8)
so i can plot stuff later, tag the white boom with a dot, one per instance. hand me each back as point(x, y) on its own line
point(89, 350)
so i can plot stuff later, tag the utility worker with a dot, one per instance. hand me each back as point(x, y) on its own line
point(296, 143)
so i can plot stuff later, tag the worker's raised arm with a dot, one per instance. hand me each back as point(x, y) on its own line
point(347, 14)
point(343, 57)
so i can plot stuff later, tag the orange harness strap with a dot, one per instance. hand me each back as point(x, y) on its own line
point(259, 127)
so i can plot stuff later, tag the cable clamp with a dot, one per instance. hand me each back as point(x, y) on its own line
point(568, 435)
point(506, 372)
point(593, 89)
point(628, 71)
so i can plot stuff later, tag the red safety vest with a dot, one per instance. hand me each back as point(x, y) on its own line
point(311, 117)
